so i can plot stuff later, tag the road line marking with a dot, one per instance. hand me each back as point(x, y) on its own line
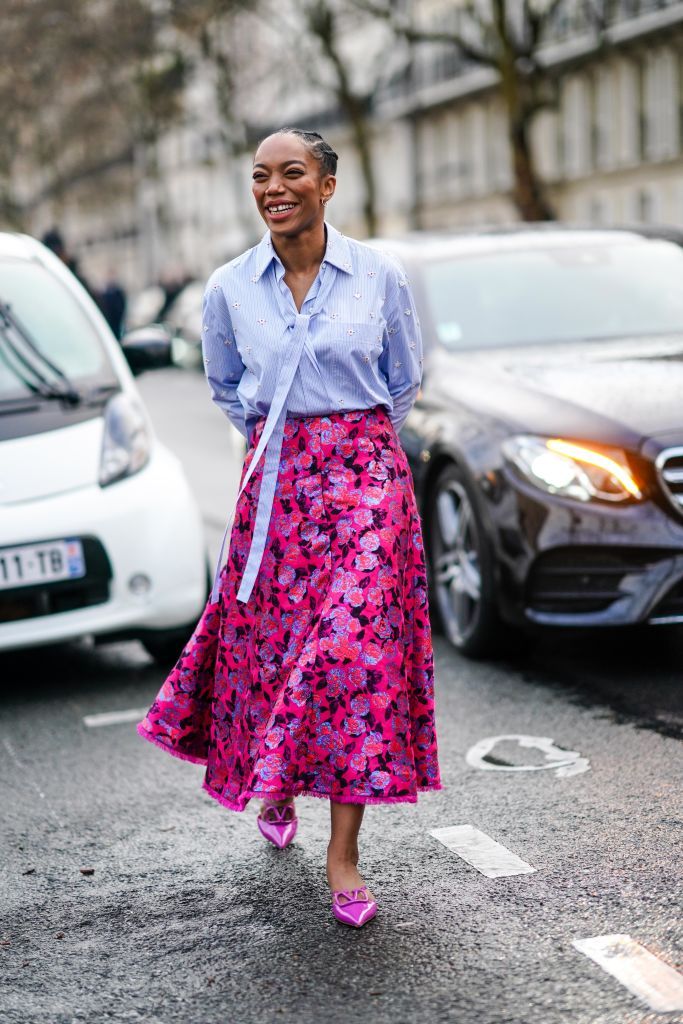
point(115, 717)
point(564, 762)
point(483, 853)
point(641, 972)
point(26, 775)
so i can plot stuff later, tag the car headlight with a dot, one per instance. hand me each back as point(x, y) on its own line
point(572, 470)
point(126, 443)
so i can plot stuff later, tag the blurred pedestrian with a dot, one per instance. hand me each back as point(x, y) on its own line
point(113, 304)
point(54, 240)
point(310, 671)
point(172, 281)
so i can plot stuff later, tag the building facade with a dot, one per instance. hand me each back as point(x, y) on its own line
point(609, 150)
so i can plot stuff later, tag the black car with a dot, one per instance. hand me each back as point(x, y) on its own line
point(547, 441)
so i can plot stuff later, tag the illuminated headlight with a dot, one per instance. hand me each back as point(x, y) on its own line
point(126, 441)
point(572, 470)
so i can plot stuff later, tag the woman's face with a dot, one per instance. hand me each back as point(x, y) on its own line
point(288, 186)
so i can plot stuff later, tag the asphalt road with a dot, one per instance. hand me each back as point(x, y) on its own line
point(187, 916)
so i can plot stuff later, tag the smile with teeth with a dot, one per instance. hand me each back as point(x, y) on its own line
point(281, 208)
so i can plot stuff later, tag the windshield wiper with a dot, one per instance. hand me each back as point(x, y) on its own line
point(30, 385)
point(101, 392)
point(29, 362)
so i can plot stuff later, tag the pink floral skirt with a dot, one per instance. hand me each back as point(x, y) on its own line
point(322, 683)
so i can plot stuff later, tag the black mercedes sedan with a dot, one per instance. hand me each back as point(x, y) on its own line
point(547, 441)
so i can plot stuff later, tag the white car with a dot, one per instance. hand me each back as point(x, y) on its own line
point(99, 532)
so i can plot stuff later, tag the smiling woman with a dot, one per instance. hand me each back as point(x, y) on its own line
point(293, 177)
point(311, 672)
point(291, 190)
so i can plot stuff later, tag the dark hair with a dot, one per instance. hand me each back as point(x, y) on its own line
point(53, 240)
point(317, 146)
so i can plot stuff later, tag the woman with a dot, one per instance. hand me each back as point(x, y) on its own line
point(310, 671)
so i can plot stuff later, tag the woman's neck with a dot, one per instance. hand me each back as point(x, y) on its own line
point(303, 253)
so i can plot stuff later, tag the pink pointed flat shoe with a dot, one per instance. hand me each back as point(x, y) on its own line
point(355, 907)
point(278, 824)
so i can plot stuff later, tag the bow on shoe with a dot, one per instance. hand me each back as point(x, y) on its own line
point(353, 906)
point(278, 815)
point(351, 896)
point(278, 824)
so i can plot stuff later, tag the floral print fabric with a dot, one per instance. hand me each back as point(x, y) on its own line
point(322, 683)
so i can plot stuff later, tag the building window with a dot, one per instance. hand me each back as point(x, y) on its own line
point(660, 98)
point(478, 131)
point(453, 154)
point(627, 113)
point(434, 159)
point(603, 118)
point(501, 170)
point(645, 206)
point(465, 164)
point(596, 211)
point(576, 111)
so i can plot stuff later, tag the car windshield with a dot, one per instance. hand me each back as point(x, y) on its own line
point(556, 294)
point(55, 322)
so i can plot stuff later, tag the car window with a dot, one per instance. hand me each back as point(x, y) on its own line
point(56, 323)
point(568, 293)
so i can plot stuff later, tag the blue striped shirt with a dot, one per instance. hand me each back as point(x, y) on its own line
point(355, 344)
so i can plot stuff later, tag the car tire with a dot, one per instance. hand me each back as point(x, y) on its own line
point(166, 646)
point(461, 564)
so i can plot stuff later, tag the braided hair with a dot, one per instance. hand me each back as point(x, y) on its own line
point(317, 146)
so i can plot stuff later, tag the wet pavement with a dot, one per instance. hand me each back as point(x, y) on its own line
point(186, 915)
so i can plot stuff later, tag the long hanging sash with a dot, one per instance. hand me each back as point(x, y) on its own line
point(270, 441)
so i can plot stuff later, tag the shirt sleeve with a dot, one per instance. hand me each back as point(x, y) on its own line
point(222, 363)
point(401, 358)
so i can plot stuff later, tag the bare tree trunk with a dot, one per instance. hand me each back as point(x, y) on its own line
point(321, 23)
point(361, 138)
point(528, 193)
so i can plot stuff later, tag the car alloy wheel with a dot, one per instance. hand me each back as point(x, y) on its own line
point(460, 566)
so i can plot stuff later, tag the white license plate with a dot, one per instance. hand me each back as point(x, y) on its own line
point(41, 563)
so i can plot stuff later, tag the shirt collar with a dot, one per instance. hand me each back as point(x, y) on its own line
point(337, 253)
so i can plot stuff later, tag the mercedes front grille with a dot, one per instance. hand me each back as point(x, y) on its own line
point(670, 467)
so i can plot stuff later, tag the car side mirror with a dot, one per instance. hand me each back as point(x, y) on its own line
point(147, 348)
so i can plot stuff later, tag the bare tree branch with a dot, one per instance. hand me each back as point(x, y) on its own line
point(414, 34)
point(321, 21)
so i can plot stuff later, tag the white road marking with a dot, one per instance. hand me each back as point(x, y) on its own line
point(26, 775)
point(565, 762)
point(22, 769)
point(640, 971)
point(483, 853)
point(115, 717)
